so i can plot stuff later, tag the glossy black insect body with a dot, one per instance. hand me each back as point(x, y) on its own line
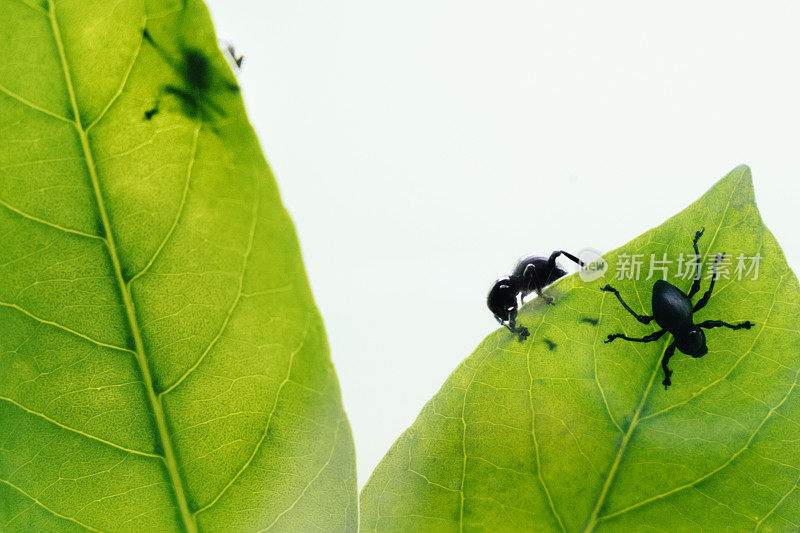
point(200, 84)
point(531, 274)
point(674, 313)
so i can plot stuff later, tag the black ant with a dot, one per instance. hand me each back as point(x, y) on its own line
point(200, 82)
point(532, 274)
point(673, 311)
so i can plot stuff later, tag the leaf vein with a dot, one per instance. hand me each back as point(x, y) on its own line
point(47, 222)
point(595, 515)
point(46, 508)
point(233, 306)
point(533, 423)
point(156, 408)
point(125, 78)
point(311, 481)
point(78, 431)
point(263, 438)
point(190, 166)
point(65, 328)
point(719, 468)
point(31, 105)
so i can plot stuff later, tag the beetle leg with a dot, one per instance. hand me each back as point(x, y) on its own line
point(150, 113)
point(664, 365)
point(189, 102)
point(701, 303)
point(208, 102)
point(176, 65)
point(698, 275)
point(644, 319)
point(648, 338)
point(708, 324)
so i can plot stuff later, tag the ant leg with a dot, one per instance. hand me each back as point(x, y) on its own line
point(547, 299)
point(704, 300)
point(536, 284)
point(522, 331)
point(551, 261)
point(648, 338)
point(644, 319)
point(664, 365)
point(527, 274)
point(500, 321)
point(698, 275)
point(708, 324)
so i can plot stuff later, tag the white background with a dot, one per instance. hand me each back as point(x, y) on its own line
point(421, 146)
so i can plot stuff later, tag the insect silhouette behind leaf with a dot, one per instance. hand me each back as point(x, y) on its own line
point(201, 84)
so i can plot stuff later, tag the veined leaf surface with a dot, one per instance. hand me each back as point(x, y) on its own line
point(163, 366)
point(584, 437)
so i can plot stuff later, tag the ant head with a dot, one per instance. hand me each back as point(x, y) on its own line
point(502, 297)
point(693, 342)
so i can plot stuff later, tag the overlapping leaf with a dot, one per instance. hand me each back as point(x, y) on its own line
point(163, 366)
point(584, 437)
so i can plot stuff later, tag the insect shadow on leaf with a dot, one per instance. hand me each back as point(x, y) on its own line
point(531, 274)
point(200, 84)
point(673, 311)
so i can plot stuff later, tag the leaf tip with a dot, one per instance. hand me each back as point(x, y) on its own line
point(739, 183)
point(744, 172)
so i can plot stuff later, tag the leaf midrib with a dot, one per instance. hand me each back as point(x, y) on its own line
point(130, 309)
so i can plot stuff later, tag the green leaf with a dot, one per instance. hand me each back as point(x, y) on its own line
point(163, 366)
point(584, 437)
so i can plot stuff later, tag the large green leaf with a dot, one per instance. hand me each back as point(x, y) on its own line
point(162, 363)
point(584, 437)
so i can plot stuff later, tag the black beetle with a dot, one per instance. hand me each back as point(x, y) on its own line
point(673, 311)
point(531, 274)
